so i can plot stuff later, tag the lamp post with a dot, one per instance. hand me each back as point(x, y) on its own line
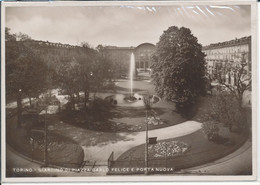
point(166, 154)
point(44, 106)
point(146, 144)
point(147, 104)
point(19, 108)
point(32, 145)
point(45, 159)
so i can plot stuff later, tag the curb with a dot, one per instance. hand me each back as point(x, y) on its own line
point(221, 159)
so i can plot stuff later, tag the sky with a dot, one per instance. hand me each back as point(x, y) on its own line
point(128, 25)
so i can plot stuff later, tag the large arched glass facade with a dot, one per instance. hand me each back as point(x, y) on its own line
point(143, 54)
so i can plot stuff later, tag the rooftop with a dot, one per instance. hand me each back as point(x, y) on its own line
point(234, 42)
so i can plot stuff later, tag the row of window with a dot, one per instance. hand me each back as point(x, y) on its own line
point(142, 64)
point(226, 56)
point(232, 49)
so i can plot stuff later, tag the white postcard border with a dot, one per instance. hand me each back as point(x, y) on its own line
point(164, 178)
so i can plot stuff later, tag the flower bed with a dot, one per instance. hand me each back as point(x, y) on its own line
point(154, 120)
point(167, 149)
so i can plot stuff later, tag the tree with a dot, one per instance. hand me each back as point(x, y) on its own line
point(225, 109)
point(110, 67)
point(68, 78)
point(85, 70)
point(25, 73)
point(85, 61)
point(95, 69)
point(8, 35)
point(178, 68)
point(116, 61)
point(242, 79)
point(102, 71)
point(23, 37)
point(85, 44)
point(228, 104)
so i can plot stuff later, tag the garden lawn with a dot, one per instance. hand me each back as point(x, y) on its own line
point(123, 119)
point(62, 151)
point(198, 151)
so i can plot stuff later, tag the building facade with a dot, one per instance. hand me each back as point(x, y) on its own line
point(121, 56)
point(221, 57)
point(143, 54)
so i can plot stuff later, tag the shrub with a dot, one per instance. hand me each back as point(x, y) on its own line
point(99, 108)
point(225, 109)
point(30, 120)
point(210, 129)
point(187, 109)
point(109, 86)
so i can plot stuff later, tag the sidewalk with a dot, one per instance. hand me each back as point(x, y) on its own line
point(234, 163)
point(101, 153)
point(237, 162)
point(16, 163)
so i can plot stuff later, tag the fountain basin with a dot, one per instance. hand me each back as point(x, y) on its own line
point(126, 100)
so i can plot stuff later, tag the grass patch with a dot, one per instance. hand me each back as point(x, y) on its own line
point(199, 152)
point(62, 151)
point(120, 119)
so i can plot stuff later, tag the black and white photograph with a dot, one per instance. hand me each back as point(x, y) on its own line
point(128, 91)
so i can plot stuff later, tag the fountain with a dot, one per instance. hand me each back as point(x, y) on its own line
point(131, 73)
point(133, 99)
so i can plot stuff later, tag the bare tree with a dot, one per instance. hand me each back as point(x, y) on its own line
point(242, 78)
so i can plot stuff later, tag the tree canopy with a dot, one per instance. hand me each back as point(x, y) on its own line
point(239, 72)
point(25, 72)
point(32, 67)
point(178, 67)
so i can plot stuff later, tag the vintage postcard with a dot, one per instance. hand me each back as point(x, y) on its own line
point(128, 91)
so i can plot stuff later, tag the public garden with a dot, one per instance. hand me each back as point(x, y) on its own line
point(181, 142)
point(80, 113)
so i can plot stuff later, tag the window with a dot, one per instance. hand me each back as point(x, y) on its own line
point(146, 64)
point(141, 64)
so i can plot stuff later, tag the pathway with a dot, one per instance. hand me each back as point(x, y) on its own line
point(100, 154)
point(17, 162)
point(231, 164)
point(235, 163)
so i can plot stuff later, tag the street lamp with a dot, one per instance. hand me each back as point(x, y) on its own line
point(44, 105)
point(146, 145)
point(147, 104)
point(19, 108)
point(32, 146)
point(45, 159)
point(166, 154)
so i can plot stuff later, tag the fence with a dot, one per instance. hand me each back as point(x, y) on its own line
point(172, 164)
point(110, 160)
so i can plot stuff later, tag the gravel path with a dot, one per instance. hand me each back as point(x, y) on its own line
point(101, 153)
